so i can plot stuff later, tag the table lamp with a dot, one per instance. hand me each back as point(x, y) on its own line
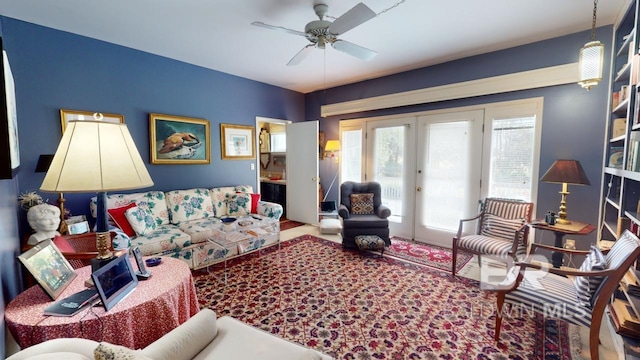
point(565, 172)
point(97, 156)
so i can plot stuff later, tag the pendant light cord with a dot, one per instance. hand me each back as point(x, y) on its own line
point(593, 24)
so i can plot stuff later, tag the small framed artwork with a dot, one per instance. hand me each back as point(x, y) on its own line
point(238, 141)
point(47, 265)
point(179, 140)
point(78, 115)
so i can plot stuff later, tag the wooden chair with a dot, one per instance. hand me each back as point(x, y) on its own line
point(501, 230)
point(556, 294)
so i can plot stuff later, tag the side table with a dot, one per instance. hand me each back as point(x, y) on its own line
point(575, 228)
point(155, 307)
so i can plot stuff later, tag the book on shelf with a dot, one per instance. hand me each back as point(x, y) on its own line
point(624, 319)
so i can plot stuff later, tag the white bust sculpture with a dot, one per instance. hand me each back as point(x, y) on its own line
point(44, 219)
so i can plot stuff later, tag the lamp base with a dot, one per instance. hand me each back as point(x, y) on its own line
point(98, 263)
point(563, 221)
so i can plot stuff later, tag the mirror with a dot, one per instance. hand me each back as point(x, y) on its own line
point(265, 158)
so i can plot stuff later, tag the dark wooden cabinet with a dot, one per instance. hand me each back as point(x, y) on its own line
point(276, 193)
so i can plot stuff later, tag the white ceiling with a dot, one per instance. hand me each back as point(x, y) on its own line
point(217, 34)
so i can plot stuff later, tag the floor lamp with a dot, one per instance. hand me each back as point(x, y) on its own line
point(97, 156)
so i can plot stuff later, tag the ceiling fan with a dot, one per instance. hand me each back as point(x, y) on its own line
point(320, 32)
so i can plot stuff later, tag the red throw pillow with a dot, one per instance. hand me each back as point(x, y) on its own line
point(117, 215)
point(63, 245)
point(254, 201)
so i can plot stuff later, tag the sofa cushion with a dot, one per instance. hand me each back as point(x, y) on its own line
point(238, 204)
point(59, 356)
point(219, 200)
point(141, 220)
point(199, 230)
point(192, 204)
point(106, 351)
point(118, 217)
point(362, 204)
point(187, 340)
point(166, 237)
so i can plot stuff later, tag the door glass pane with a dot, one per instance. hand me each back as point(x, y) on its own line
point(351, 165)
point(447, 173)
point(511, 166)
point(389, 154)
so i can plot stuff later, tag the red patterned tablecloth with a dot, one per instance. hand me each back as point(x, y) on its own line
point(155, 307)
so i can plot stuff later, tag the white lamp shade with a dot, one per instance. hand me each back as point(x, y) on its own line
point(96, 156)
point(591, 62)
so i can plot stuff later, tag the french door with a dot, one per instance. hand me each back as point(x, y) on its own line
point(448, 173)
point(391, 162)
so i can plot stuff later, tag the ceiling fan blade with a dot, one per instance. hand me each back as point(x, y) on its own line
point(354, 50)
point(352, 18)
point(301, 55)
point(277, 28)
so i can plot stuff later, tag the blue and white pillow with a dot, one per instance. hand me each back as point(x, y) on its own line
point(586, 286)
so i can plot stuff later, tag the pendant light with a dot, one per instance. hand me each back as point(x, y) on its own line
point(591, 57)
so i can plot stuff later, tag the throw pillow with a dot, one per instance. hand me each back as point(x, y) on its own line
point(362, 204)
point(193, 204)
point(254, 201)
point(586, 286)
point(141, 220)
point(498, 227)
point(117, 215)
point(238, 204)
point(106, 351)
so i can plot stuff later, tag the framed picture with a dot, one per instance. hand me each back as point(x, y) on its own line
point(179, 140)
point(68, 115)
point(47, 265)
point(238, 141)
point(9, 147)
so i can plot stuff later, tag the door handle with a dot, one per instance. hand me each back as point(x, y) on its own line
point(314, 179)
point(419, 188)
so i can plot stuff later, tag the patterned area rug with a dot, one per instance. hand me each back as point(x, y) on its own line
point(429, 255)
point(354, 305)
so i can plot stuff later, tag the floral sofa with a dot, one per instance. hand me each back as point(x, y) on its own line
point(178, 223)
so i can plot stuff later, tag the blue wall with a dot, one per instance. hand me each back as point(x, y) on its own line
point(56, 70)
point(573, 119)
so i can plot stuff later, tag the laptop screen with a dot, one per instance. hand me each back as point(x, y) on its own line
point(114, 281)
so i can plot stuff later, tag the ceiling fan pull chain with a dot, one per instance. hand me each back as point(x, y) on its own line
point(378, 14)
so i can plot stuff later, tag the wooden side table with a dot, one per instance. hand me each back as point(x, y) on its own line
point(575, 228)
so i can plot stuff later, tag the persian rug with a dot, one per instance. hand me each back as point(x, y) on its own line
point(430, 255)
point(286, 224)
point(358, 305)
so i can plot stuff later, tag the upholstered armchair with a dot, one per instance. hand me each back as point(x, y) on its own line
point(362, 212)
point(577, 296)
point(501, 231)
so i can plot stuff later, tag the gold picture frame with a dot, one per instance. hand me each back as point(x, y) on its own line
point(179, 140)
point(238, 141)
point(47, 265)
point(69, 115)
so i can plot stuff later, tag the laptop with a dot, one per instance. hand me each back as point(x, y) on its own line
point(114, 281)
point(72, 304)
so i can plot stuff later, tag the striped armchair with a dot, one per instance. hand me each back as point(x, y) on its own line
point(501, 230)
point(580, 299)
